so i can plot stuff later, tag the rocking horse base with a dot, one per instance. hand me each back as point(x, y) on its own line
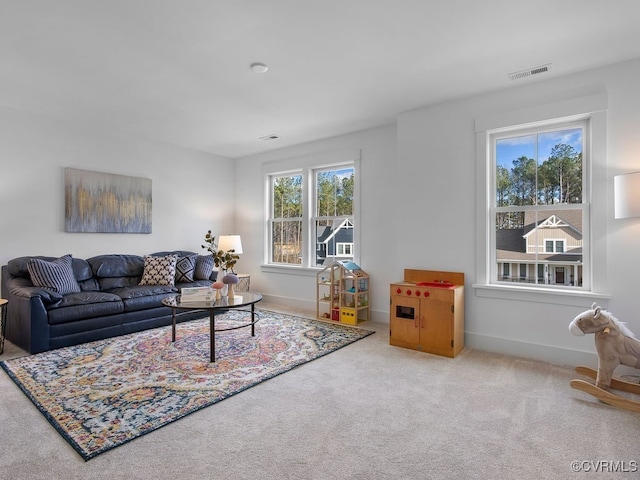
point(604, 395)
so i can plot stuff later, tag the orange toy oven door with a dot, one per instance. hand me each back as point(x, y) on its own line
point(404, 322)
point(436, 322)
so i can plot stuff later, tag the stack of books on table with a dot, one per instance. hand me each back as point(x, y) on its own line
point(197, 294)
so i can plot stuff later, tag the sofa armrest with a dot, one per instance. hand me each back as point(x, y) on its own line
point(27, 317)
point(18, 289)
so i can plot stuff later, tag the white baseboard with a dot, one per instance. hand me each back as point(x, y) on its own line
point(545, 353)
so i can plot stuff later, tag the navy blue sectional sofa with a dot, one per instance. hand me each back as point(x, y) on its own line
point(110, 302)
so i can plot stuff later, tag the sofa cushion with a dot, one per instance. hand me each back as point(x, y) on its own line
point(115, 270)
point(82, 305)
point(138, 291)
point(81, 269)
point(114, 265)
point(56, 274)
point(204, 267)
point(91, 284)
point(185, 268)
point(143, 296)
point(159, 270)
point(18, 267)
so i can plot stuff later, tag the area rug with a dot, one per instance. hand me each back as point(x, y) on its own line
point(102, 394)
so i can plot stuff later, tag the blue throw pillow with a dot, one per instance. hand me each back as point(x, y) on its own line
point(56, 275)
point(204, 267)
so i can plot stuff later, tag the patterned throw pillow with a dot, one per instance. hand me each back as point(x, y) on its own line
point(204, 267)
point(56, 275)
point(185, 268)
point(159, 270)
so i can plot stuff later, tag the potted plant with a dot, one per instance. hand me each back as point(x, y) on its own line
point(221, 259)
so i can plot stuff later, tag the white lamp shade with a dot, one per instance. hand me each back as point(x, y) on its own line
point(230, 242)
point(627, 195)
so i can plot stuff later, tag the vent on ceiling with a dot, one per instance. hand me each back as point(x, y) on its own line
point(273, 136)
point(530, 71)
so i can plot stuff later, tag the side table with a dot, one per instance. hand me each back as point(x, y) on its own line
point(3, 321)
point(244, 282)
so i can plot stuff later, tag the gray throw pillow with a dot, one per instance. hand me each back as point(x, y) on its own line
point(204, 267)
point(56, 275)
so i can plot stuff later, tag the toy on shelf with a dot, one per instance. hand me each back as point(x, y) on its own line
point(616, 345)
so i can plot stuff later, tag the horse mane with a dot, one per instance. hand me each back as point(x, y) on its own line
point(621, 325)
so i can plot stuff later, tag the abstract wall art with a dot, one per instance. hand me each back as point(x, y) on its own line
point(99, 202)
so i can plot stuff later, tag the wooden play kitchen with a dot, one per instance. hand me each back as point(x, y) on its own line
point(427, 312)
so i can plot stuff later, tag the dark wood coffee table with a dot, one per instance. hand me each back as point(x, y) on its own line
point(223, 304)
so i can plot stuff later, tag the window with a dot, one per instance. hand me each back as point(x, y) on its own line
point(345, 249)
point(554, 246)
point(563, 211)
point(333, 219)
point(311, 214)
point(286, 221)
point(506, 269)
point(538, 210)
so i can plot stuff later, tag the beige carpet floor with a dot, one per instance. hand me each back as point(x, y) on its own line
point(368, 411)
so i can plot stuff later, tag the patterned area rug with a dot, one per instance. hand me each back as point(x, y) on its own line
point(102, 394)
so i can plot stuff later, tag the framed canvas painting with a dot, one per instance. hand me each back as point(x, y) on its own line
point(99, 202)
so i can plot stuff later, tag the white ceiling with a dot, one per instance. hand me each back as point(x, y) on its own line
point(177, 71)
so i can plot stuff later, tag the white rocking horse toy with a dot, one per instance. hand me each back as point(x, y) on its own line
point(616, 345)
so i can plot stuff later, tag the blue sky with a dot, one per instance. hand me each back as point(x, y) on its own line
point(340, 172)
point(510, 149)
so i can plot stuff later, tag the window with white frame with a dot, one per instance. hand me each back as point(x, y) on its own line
point(311, 215)
point(286, 218)
point(537, 214)
point(554, 246)
point(538, 210)
point(333, 218)
point(345, 249)
point(549, 282)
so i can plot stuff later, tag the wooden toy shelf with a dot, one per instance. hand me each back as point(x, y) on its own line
point(342, 293)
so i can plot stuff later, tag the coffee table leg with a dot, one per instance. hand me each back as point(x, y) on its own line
point(253, 320)
point(173, 324)
point(212, 335)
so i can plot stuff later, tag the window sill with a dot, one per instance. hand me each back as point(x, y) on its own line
point(539, 294)
point(290, 270)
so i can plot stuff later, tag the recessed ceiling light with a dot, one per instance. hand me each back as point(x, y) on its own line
point(259, 67)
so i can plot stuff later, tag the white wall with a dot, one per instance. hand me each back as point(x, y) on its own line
point(419, 197)
point(187, 194)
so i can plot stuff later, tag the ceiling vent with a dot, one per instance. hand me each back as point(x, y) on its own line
point(273, 136)
point(530, 71)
